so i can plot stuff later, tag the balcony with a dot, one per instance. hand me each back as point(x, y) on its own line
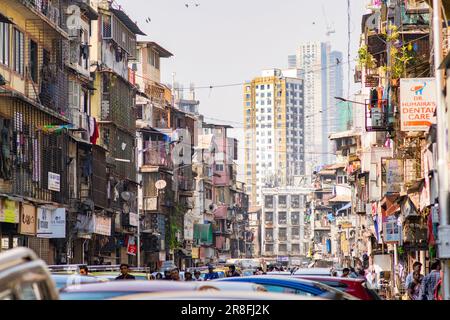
point(156, 154)
point(379, 116)
point(221, 212)
point(282, 238)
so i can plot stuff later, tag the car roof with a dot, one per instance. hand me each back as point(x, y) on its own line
point(270, 278)
point(313, 271)
point(131, 285)
point(215, 295)
point(331, 278)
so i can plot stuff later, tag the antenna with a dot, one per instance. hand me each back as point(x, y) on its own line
point(330, 29)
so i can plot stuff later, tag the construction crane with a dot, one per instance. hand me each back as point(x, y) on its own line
point(330, 29)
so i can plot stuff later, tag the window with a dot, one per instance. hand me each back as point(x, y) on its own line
point(269, 234)
point(296, 248)
point(34, 60)
point(4, 43)
point(219, 167)
point(282, 201)
point(282, 247)
point(269, 217)
point(269, 247)
point(208, 193)
point(295, 233)
point(282, 234)
point(262, 87)
point(282, 217)
point(295, 218)
point(268, 201)
point(18, 51)
point(342, 179)
point(295, 201)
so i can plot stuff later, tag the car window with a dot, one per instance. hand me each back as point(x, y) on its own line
point(29, 291)
point(334, 284)
point(93, 295)
point(6, 295)
point(280, 289)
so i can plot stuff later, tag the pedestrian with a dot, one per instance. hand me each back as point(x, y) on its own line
point(211, 275)
point(414, 286)
point(438, 290)
point(232, 272)
point(197, 276)
point(430, 281)
point(353, 273)
point(167, 275)
point(259, 271)
point(409, 278)
point(125, 275)
point(188, 276)
point(175, 274)
point(345, 273)
point(159, 276)
point(84, 270)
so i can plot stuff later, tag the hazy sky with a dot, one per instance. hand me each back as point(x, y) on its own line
point(230, 41)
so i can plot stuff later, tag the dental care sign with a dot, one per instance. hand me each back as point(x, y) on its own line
point(417, 103)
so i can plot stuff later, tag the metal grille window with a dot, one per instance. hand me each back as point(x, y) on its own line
point(19, 43)
point(4, 43)
point(34, 153)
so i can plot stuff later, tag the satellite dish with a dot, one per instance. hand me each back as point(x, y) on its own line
point(160, 184)
point(126, 195)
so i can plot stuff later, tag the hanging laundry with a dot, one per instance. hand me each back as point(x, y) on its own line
point(91, 126)
point(96, 134)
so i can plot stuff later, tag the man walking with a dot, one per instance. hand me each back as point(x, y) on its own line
point(430, 281)
point(197, 276)
point(232, 272)
point(409, 278)
point(124, 270)
point(211, 275)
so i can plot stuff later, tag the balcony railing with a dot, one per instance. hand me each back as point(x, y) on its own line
point(379, 116)
point(156, 154)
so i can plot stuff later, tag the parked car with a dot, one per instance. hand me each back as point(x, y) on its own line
point(113, 275)
point(66, 279)
point(101, 291)
point(303, 287)
point(355, 287)
point(216, 295)
point(23, 276)
point(313, 271)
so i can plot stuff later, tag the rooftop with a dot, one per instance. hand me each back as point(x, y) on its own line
point(162, 52)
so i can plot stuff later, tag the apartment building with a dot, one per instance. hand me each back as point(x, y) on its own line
point(273, 131)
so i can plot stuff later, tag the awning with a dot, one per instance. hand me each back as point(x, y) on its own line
point(327, 172)
point(347, 206)
point(341, 198)
point(5, 19)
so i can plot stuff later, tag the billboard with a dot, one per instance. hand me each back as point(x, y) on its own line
point(417, 103)
point(51, 223)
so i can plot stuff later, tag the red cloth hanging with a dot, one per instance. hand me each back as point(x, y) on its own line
point(96, 134)
point(431, 239)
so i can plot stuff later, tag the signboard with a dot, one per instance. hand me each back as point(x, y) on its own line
point(195, 253)
point(85, 224)
point(189, 226)
point(9, 211)
point(51, 223)
point(151, 203)
point(394, 175)
point(391, 229)
point(28, 220)
point(417, 103)
point(102, 225)
point(133, 219)
point(131, 247)
point(54, 182)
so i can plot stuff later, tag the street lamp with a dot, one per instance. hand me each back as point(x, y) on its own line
point(346, 100)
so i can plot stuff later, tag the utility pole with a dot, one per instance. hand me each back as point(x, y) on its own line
point(444, 227)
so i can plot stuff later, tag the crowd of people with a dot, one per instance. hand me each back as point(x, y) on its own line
point(420, 287)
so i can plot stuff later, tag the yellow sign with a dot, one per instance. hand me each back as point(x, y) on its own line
point(9, 211)
point(195, 253)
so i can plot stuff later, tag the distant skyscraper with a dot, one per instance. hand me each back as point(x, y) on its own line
point(292, 61)
point(273, 129)
point(323, 81)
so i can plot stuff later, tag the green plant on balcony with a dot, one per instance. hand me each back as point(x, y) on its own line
point(365, 58)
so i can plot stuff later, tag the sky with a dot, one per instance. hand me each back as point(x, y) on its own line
point(223, 42)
